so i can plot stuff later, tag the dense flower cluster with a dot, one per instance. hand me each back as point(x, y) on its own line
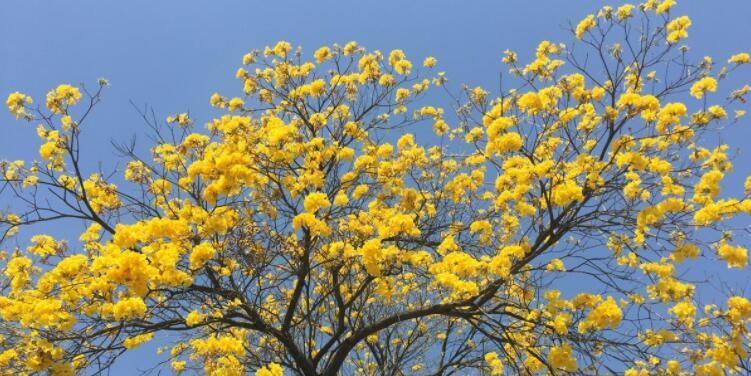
point(549, 231)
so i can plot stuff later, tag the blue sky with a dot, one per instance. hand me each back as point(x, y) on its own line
point(174, 54)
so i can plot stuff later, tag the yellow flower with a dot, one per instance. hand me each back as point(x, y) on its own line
point(556, 265)
point(665, 6)
point(403, 67)
point(350, 48)
point(530, 102)
point(129, 309)
point(236, 104)
point(201, 254)
point(341, 198)
point(685, 312)
point(606, 315)
point(315, 201)
point(429, 62)
point(567, 192)
point(505, 143)
point(178, 365)
point(44, 245)
point(509, 57)
point(282, 48)
point(182, 120)
point(735, 256)
point(248, 59)
point(561, 357)
point(272, 369)
point(585, 25)
point(18, 270)
point(495, 363)
point(395, 56)
point(133, 342)
point(277, 132)
point(309, 221)
point(322, 54)
point(741, 58)
point(739, 308)
point(677, 29)
point(624, 12)
point(194, 318)
point(704, 85)
point(61, 97)
point(16, 103)
point(217, 100)
point(398, 61)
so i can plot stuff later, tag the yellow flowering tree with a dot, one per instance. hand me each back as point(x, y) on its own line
point(335, 220)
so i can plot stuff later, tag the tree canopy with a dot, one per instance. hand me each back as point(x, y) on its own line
point(351, 213)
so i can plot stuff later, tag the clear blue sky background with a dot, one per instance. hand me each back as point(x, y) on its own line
point(174, 54)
